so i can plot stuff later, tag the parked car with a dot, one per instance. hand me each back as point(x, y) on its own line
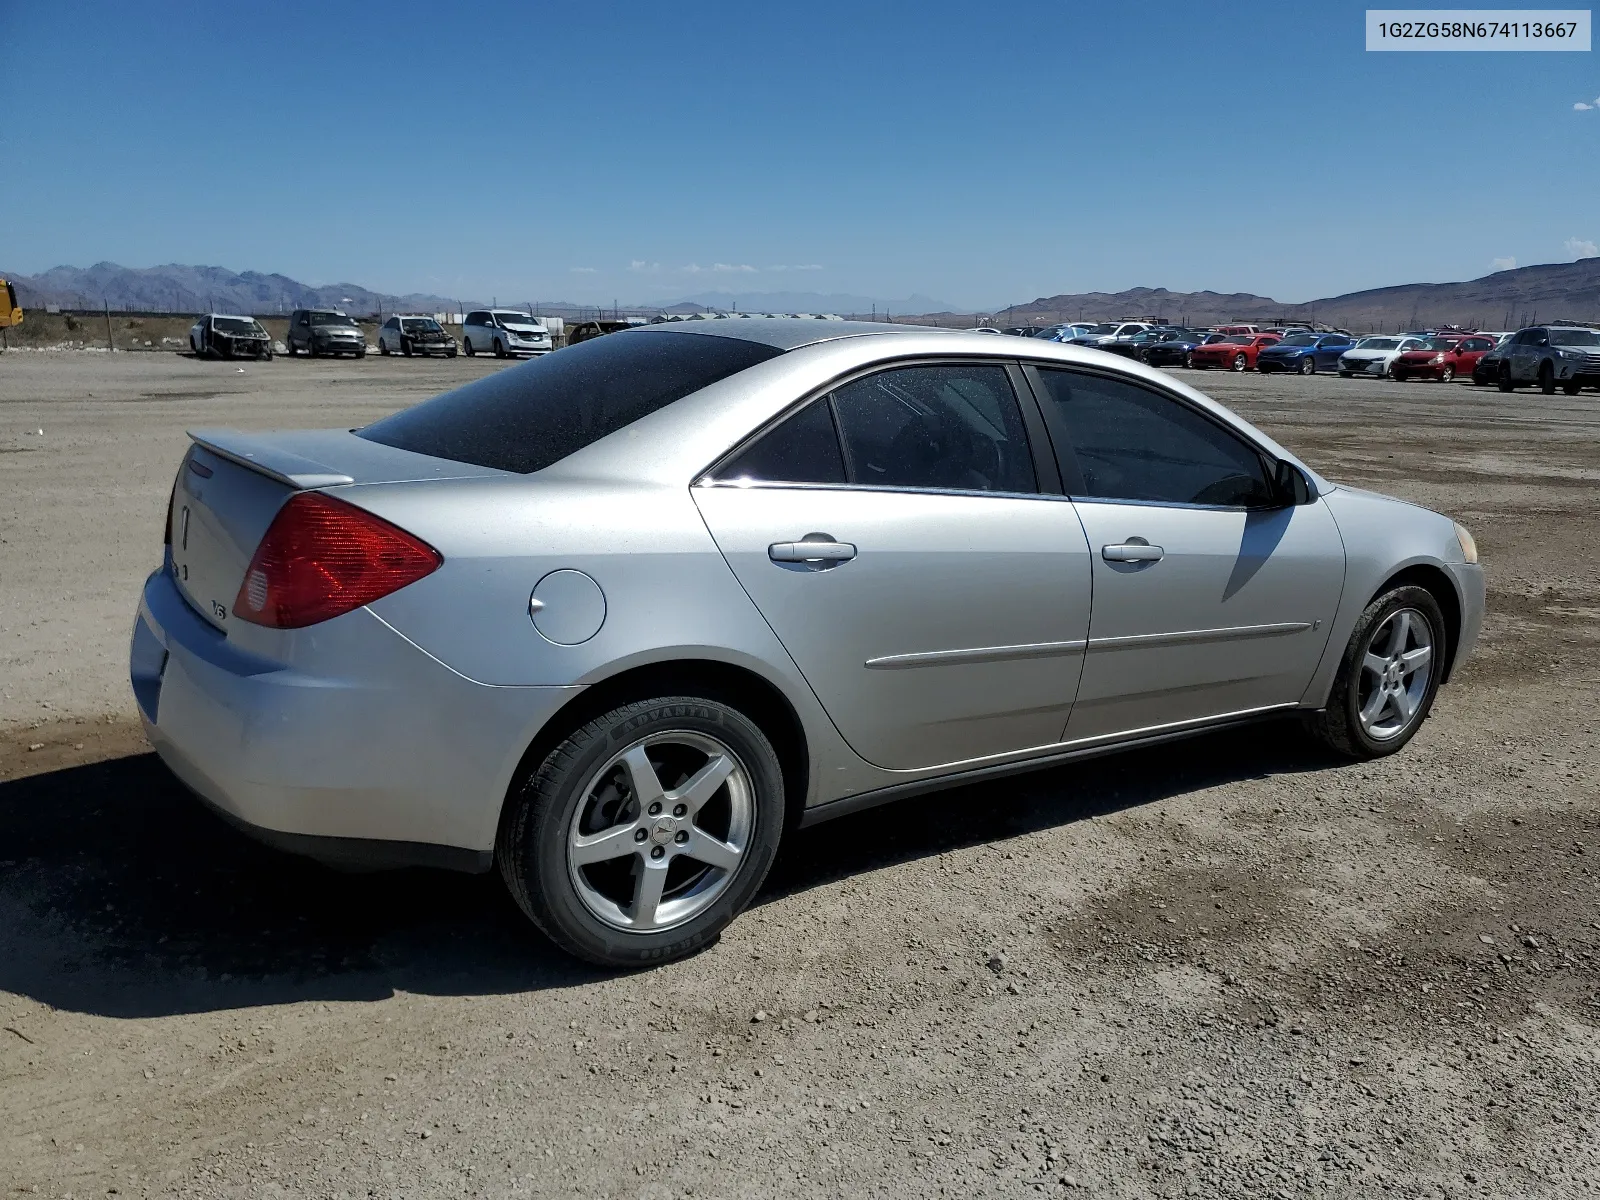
point(1235, 351)
point(1236, 329)
point(324, 331)
point(583, 331)
point(414, 335)
point(1109, 330)
point(502, 332)
point(1138, 346)
point(1375, 356)
point(1305, 353)
point(219, 335)
point(1552, 355)
point(1487, 368)
point(1065, 332)
point(627, 736)
point(1443, 357)
point(1178, 349)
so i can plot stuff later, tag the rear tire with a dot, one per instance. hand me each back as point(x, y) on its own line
point(1188, 360)
point(1392, 719)
point(591, 785)
point(383, 347)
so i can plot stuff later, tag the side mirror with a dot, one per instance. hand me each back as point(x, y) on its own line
point(1291, 485)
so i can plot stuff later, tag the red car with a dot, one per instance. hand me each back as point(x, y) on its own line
point(1445, 357)
point(1237, 351)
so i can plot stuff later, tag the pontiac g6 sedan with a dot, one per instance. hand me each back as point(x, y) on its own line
point(615, 620)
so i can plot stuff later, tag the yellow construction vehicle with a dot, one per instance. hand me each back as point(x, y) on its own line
point(10, 310)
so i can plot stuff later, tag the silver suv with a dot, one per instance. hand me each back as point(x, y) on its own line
point(1551, 356)
point(504, 331)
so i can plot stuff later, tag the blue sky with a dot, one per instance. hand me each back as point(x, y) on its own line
point(643, 151)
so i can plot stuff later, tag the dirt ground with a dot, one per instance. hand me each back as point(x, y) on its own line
point(1231, 968)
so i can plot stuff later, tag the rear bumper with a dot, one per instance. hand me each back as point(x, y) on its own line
point(384, 757)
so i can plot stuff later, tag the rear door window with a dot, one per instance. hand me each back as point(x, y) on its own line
point(951, 427)
point(525, 418)
point(1126, 442)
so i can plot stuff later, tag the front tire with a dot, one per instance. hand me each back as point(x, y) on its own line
point(1547, 378)
point(1240, 363)
point(1447, 374)
point(499, 348)
point(405, 347)
point(1504, 382)
point(1388, 677)
point(1308, 365)
point(645, 832)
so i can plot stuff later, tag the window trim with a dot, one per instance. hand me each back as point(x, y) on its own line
point(1045, 471)
point(1072, 474)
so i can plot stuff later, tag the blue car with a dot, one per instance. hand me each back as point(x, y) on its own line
point(1305, 353)
point(1172, 348)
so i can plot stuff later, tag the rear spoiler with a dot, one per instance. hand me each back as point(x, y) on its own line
point(265, 454)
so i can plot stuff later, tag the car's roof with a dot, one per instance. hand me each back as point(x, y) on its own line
point(790, 333)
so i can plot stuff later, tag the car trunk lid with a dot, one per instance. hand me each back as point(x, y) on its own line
point(233, 483)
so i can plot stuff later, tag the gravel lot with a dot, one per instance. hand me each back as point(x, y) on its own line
point(1229, 968)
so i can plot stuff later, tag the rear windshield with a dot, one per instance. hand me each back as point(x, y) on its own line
point(525, 418)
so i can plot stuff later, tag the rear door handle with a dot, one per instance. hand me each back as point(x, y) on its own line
point(1132, 552)
point(819, 551)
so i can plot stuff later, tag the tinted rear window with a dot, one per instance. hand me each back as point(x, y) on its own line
point(525, 418)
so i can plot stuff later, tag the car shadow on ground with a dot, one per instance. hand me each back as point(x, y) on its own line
point(121, 896)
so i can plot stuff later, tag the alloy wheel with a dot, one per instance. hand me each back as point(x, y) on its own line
point(1240, 362)
point(660, 830)
point(1394, 674)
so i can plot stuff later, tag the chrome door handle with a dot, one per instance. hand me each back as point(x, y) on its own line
point(1132, 552)
point(819, 551)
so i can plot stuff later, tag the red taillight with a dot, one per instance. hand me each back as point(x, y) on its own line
point(322, 557)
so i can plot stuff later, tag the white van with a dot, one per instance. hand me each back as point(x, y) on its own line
point(503, 331)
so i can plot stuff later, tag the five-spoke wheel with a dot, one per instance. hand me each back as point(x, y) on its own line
point(1387, 677)
point(646, 830)
point(660, 831)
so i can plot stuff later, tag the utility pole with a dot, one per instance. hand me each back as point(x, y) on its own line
point(110, 345)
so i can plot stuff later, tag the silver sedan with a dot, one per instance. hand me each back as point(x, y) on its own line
point(614, 620)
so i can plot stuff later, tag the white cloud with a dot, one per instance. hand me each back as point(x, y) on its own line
point(1581, 248)
point(798, 267)
point(1580, 106)
point(1503, 264)
point(639, 264)
point(581, 270)
point(692, 269)
point(733, 268)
